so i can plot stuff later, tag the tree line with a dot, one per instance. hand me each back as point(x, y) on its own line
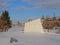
point(51, 23)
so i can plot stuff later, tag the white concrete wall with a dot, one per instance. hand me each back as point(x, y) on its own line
point(34, 26)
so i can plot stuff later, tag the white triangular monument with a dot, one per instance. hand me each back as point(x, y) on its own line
point(34, 26)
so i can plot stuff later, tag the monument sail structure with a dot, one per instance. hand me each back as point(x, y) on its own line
point(34, 26)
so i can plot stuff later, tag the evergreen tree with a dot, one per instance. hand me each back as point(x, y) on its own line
point(5, 17)
point(42, 17)
point(29, 20)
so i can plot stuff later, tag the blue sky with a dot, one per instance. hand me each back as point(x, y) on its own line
point(22, 10)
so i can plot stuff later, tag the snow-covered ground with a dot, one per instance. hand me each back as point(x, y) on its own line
point(28, 38)
point(16, 28)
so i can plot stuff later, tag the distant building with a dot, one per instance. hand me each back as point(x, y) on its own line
point(17, 24)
